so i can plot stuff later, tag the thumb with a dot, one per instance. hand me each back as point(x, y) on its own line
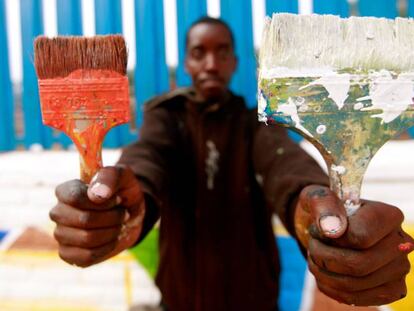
point(326, 210)
point(104, 184)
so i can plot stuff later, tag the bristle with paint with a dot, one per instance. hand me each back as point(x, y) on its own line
point(329, 43)
point(59, 56)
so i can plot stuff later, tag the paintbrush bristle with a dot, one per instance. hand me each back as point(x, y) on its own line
point(59, 56)
point(330, 42)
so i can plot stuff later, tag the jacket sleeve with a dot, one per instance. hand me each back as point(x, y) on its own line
point(283, 169)
point(149, 158)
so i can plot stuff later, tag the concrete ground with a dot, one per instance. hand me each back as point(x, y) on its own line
point(32, 276)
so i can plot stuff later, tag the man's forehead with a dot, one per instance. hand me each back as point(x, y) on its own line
point(209, 33)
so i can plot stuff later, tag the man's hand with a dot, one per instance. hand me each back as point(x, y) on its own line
point(358, 260)
point(97, 222)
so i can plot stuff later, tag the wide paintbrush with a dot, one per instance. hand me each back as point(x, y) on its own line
point(83, 90)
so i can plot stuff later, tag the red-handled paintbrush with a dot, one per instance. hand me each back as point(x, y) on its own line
point(83, 90)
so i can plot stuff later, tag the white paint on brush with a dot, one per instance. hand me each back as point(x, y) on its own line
point(261, 107)
point(319, 41)
point(290, 110)
point(321, 129)
point(341, 170)
point(358, 106)
point(337, 86)
point(392, 96)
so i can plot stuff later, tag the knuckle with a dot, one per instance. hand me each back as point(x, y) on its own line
point(360, 238)
point(354, 266)
point(73, 192)
point(57, 235)
point(85, 219)
point(406, 266)
point(86, 238)
point(54, 214)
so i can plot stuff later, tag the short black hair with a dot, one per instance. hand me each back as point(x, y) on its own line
point(211, 21)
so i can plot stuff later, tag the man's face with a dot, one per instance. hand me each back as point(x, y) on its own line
point(210, 59)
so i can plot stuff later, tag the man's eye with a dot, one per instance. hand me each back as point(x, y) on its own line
point(224, 53)
point(197, 54)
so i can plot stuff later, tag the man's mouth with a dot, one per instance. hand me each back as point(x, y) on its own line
point(211, 80)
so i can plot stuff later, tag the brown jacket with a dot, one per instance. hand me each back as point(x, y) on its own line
point(216, 175)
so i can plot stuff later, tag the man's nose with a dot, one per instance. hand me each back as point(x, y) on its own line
point(211, 62)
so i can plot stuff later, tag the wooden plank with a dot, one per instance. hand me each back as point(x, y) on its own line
point(238, 14)
point(31, 26)
point(151, 74)
point(187, 12)
point(7, 135)
point(108, 20)
point(336, 7)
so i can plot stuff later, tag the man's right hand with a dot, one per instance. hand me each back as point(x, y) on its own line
point(97, 222)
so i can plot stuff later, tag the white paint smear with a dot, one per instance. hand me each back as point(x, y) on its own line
point(337, 86)
point(341, 170)
point(290, 110)
point(392, 96)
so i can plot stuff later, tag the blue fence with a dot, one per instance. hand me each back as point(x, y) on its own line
point(151, 72)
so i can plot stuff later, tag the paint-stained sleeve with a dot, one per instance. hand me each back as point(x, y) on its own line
point(283, 168)
point(149, 158)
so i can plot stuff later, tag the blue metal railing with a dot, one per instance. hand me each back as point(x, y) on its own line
point(151, 72)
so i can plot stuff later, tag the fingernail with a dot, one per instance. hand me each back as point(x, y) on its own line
point(101, 191)
point(407, 247)
point(330, 224)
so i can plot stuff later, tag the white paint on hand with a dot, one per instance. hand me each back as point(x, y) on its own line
point(290, 110)
point(392, 96)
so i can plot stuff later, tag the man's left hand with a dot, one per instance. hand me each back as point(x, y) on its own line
point(358, 260)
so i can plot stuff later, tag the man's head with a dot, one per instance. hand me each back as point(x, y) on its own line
point(210, 59)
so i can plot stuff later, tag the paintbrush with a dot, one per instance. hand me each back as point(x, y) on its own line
point(83, 90)
point(346, 85)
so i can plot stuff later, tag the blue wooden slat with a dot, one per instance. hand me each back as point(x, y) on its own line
point(69, 22)
point(108, 20)
point(7, 136)
point(410, 8)
point(187, 12)
point(31, 25)
point(238, 13)
point(336, 7)
point(292, 278)
point(151, 74)
point(274, 6)
point(378, 8)
point(69, 17)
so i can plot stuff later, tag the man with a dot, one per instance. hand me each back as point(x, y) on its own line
point(214, 175)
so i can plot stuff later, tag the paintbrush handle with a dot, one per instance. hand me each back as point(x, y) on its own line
point(89, 144)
